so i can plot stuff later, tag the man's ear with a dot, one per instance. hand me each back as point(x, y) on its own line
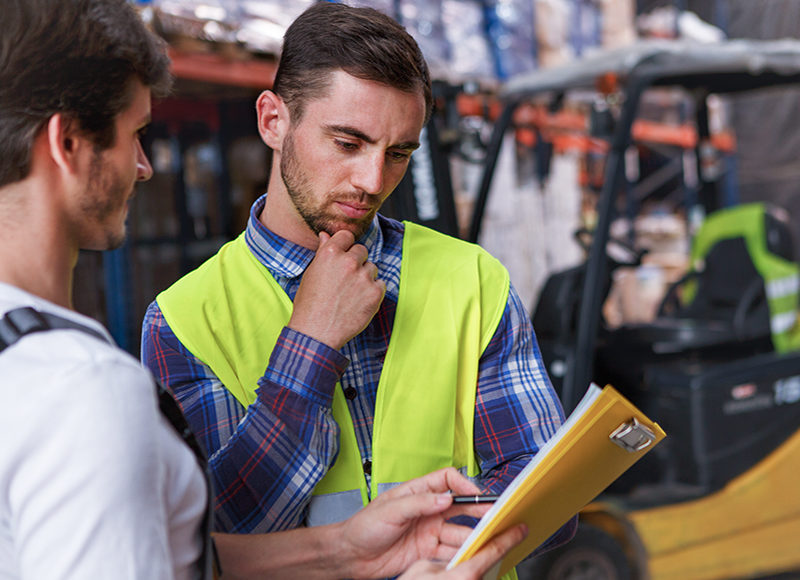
point(273, 119)
point(64, 142)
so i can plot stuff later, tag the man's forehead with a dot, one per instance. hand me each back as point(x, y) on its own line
point(350, 97)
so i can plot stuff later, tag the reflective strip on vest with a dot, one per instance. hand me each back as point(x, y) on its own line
point(781, 278)
point(335, 507)
point(782, 295)
point(786, 286)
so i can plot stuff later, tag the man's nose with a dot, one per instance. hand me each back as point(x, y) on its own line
point(144, 170)
point(369, 175)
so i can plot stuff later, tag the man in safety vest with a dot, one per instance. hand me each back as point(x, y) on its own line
point(386, 349)
point(99, 475)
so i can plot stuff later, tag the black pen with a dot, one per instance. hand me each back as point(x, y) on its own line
point(475, 498)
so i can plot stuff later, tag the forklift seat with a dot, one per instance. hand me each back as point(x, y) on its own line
point(731, 321)
point(729, 301)
point(741, 289)
point(743, 276)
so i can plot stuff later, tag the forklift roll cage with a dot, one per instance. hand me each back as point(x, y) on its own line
point(702, 69)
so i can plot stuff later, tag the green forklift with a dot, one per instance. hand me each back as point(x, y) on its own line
point(718, 367)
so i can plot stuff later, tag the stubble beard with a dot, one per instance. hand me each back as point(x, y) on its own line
point(99, 210)
point(300, 191)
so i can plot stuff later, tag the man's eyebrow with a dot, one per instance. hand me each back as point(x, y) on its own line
point(409, 145)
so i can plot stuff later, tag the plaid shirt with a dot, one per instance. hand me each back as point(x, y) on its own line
point(265, 460)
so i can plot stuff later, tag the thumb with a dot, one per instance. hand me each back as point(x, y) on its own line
point(494, 551)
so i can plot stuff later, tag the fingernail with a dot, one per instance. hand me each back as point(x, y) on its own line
point(443, 499)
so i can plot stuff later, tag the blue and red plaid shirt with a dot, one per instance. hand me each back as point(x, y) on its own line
point(266, 459)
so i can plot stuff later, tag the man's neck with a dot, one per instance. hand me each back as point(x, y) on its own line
point(39, 278)
point(280, 217)
point(35, 250)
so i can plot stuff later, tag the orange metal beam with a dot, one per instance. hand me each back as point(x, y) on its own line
point(215, 68)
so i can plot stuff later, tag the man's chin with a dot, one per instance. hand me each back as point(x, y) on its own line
point(117, 238)
point(357, 228)
point(357, 231)
point(116, 243)
point(111, 241)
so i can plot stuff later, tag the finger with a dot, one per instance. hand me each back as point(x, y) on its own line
point(445, 553)
point(422, 568)
point(371, 269)
point(492, 552)
point(460, 484)
point(403, 509)
point(343, 239)
point(450, 479)
point(359, 253)
point(453, 535)
point(324, 237)
point(440, 481)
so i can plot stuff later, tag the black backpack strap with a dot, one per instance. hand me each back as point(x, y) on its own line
point(26, 320)
point(174, 415)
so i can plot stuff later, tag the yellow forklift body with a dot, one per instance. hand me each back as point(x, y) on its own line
point(749, 527)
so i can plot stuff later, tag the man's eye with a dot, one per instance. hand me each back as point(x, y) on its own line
point(399, 156)
point(346, 145)
point(140, 134)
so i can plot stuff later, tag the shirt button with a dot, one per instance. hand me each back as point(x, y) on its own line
point(368, 467)
point(350, 393)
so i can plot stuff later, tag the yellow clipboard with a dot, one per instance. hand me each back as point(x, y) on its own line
point(600, 440)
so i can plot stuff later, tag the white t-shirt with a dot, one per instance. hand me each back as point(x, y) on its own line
point(94, 482)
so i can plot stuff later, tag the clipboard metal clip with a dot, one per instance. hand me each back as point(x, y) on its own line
point(632, 436)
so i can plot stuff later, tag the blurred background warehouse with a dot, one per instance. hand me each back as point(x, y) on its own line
point(210, 164)
point(717, 500)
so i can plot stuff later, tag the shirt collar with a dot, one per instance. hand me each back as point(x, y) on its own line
point(284, 258)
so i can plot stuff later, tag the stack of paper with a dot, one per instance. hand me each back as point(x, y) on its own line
point(602, 438)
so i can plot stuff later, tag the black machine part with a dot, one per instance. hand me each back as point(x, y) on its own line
point(592, 553)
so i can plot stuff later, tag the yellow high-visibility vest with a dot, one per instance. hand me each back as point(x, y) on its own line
point(230, 311)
